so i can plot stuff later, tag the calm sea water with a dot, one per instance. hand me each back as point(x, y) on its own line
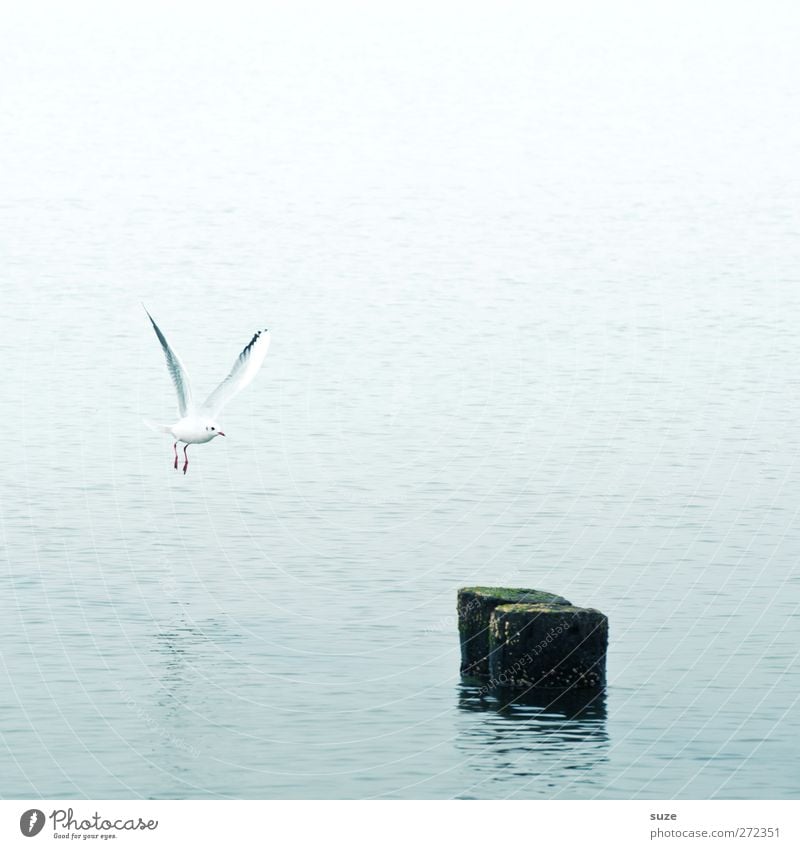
point(534, 294)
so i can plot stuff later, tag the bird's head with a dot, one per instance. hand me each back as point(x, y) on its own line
point(213, 429)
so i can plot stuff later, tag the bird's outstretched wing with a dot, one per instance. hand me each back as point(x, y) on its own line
point(244, 370)
point(176, 370)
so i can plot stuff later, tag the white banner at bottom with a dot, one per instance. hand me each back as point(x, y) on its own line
point(146, 824)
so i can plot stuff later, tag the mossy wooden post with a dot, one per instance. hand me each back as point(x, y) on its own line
point(547, 645)
point(475, 606)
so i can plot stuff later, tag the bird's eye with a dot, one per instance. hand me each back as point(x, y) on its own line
point(213, 428)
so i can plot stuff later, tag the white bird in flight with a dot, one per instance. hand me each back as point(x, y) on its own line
point(197, 424)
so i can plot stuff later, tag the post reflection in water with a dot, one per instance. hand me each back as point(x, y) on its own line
point(556, 740)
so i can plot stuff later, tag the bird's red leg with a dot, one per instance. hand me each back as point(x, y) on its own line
point(175, 447)
point(186, 464)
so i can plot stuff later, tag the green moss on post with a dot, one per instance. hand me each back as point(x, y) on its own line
point(475, 606)
point(547, 645)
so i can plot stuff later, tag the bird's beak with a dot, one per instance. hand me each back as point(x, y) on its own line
point(220, 433)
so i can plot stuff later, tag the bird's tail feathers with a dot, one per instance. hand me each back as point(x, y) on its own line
point(158, 428)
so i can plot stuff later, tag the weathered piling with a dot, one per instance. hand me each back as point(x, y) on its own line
point(524, 639)
point(547, 646)
point(475, 606)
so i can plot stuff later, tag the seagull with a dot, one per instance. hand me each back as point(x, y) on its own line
point(197, 424)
